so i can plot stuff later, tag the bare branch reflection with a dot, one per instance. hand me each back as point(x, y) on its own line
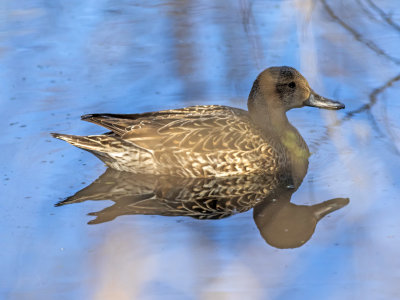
point(366, 11)
point(388, 19)
point(366, 108)
point(387, 133)
point(251, 29)
point(373, 98)
point(358, 36)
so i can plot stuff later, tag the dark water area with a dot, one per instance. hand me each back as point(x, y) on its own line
point(62, 60)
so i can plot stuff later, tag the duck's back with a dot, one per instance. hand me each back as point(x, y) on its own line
point(197, 141)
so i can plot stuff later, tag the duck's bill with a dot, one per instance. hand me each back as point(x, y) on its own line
point(316, 100)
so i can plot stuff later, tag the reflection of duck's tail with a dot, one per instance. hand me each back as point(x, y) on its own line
point(72, 199)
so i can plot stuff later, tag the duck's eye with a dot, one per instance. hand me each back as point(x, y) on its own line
point(292, 85)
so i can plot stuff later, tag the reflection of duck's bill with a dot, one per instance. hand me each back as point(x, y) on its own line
point(316, 100)
point(324, 208)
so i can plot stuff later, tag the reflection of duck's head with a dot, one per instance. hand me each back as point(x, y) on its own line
point(283, 88)
point(286, 225)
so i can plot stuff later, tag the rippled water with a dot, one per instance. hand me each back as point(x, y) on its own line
point(62, 60)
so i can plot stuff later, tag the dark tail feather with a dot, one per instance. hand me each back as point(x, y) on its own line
point(114, 122)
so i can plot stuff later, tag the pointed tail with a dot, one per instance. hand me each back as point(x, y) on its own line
point(99, 143)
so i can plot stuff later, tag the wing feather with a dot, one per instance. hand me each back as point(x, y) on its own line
point(199, 128)
point(198, 140)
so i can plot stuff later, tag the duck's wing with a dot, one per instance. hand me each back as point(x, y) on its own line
point(123, 123)
point(197, 128)
point(193, 142)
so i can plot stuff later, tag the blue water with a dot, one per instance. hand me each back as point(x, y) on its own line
point(63, 59)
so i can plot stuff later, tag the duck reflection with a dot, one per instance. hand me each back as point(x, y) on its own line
point(281, 223)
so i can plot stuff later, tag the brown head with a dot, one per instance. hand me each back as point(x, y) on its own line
point(284, 88)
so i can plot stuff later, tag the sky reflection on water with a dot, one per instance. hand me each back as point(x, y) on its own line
point(62, 60)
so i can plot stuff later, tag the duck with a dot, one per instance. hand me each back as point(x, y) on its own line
point(212, 140)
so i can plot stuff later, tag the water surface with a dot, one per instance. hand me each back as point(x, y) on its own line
point(62, 60)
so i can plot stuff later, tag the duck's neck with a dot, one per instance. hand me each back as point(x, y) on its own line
point(272, 120)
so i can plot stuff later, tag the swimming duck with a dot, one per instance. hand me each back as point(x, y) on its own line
point(211, 140)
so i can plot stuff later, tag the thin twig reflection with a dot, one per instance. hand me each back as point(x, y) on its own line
point(358, 36)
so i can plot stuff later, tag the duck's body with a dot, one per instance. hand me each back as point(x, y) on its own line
point(197, 141)
point(210, 141)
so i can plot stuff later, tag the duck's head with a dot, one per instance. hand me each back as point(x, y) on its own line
point(284, 88)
